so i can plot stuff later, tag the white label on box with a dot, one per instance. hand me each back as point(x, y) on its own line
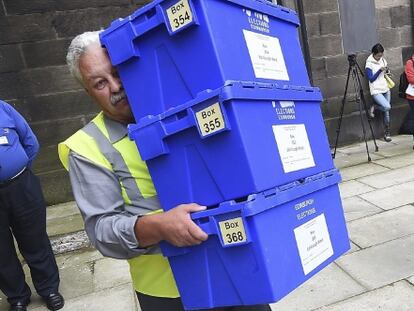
point(314, 243)
point(210, 119)
point(294, 148)
point(232, 231)
point(179, 15)
point(266, 56)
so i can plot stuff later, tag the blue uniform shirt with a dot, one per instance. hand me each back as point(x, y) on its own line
point(18, 144)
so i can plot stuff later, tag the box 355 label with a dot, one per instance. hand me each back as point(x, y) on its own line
point(210, 119)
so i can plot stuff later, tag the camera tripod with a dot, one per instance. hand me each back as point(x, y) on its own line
point(354, 71)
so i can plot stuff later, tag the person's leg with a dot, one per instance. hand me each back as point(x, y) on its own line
point(12, 279)
point(383, 102)
point(411, 103)
point(29, 229)
point(150, 303)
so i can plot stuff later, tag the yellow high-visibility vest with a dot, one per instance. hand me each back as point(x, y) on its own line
point(151, 274)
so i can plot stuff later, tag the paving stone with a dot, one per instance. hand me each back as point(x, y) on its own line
point(382, 264)
point(62, 210)
point(382, 227)
point(116, 298)
point(111, 272)
point(391, 197)
point(361, 170)
point(320, 290)
point(390, 177)
point(398, 296)
point(351, 160)
point(396, 149)
point(356, 208)
point(397, 161)
point(65, 225)
point(352, 188)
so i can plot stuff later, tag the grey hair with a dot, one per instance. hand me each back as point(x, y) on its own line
point(77, 48)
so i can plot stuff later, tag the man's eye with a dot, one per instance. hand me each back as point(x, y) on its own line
point(100, 84)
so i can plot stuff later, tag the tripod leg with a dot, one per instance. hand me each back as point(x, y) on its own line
point(360, 101)
point(361, 92)
point(341, 113)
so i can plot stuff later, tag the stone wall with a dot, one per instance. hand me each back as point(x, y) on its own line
point(329, 64)
point(34, 36)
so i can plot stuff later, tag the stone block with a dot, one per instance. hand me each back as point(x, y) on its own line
point(10, 58)
point(406, 35)
point(312, 6)
point(400, 16)
point(47, 80)
point(383, 18)
point(318, 66)
point(45, 53)
point(63, 5)
point(389, 38)
point(329, 23)
point(24, 28)
point(337, 65)
point(72, 23)
point(56, 187)
point(69, 104)
point(47, 159)
point(325, 46)
point(313, 27)
point(62, 129)
point(28, 7)
point(9, 85)
point(391, 3)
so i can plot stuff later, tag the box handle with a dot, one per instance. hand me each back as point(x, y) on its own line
point(151, 20)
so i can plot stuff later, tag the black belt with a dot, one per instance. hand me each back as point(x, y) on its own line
point(14, 178)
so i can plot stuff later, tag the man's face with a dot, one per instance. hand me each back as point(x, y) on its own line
point(102, 83)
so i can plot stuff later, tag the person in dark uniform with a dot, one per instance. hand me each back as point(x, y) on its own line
point(23, 215)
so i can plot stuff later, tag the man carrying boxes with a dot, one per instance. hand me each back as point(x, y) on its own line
point(114, 190)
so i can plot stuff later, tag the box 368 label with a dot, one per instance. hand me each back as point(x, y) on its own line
point(210, 119)
point(179, 15)
point(232, 231)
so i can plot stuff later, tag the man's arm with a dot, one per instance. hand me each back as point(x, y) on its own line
point(120, 234)
point(26, 136)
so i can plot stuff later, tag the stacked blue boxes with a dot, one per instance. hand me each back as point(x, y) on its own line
point(226, 118)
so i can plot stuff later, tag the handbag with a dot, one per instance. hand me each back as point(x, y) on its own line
point(390, 83)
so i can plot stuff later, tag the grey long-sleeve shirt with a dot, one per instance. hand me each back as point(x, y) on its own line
point(109, 222)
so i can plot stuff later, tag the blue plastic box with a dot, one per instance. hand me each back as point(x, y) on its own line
point(240, 139)
point(170, 50)
point(261, 249)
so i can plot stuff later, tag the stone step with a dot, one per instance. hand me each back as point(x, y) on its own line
point(64, 225)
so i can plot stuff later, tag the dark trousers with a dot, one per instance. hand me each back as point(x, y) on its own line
point(411, 103)
point(149, 303)
point(23, 215)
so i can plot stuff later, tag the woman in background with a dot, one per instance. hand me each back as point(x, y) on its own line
point(375, 69)
point(409, 71)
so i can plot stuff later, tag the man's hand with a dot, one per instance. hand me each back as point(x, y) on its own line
point(174, 226)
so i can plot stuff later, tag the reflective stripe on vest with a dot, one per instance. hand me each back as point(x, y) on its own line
point(151, 273)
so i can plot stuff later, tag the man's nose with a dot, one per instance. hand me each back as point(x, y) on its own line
point(115, 84)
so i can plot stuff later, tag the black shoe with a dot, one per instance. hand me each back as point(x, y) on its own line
point(54, 301)
point(19, 306)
